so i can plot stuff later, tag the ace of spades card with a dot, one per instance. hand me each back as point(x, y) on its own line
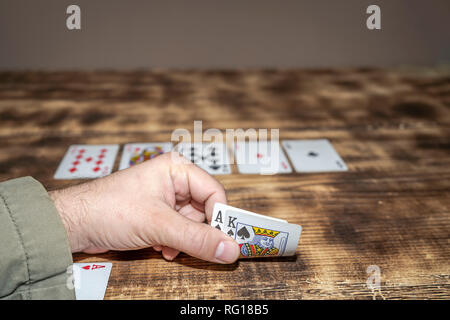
point(313, 156)
point(211, 157)
point(87, 161)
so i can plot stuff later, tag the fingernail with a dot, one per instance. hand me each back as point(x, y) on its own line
point(226, 252)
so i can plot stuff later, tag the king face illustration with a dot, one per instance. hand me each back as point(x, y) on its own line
point(261, 245)
point(145, 155)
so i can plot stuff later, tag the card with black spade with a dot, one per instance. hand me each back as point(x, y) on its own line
point(219, 219)
point(313, 156)
point(257, 235)
point(211, 157)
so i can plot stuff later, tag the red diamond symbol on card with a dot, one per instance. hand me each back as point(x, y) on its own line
point(99, 162)
point(72, 170)
point(96, 169)
point(81, 151)
point(89, 159)
point(79, 156)
point(76, 163)
point(104, 150)
point(259, 155)
point(86, 267)
point(101, 156)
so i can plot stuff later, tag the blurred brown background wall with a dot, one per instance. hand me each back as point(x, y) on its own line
point(222, 34)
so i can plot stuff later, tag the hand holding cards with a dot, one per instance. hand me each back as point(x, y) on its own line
point(257, 235)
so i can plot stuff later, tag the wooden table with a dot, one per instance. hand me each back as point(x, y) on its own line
point(391, 209)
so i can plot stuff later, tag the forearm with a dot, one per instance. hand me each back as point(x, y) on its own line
point(71, 207)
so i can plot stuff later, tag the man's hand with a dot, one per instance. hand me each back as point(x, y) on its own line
point(161, 203)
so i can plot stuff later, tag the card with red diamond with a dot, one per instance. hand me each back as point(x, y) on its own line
point(87, 161)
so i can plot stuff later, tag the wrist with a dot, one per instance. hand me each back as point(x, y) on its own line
point(72, 215)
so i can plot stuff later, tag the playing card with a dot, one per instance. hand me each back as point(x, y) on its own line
point(219, 218)
point(91, 280)
point(261, 157)
point(211, 157)
point(87, 161)
point(258, 237)
point(135, 153)
point(222, 220)
point(313, 156)
point(229, 222)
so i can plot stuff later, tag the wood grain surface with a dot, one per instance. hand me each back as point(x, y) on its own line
point(391, 209)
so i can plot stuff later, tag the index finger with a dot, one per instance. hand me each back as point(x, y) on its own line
point(203, 189)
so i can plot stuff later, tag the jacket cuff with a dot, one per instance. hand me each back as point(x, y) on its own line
point(37, 254)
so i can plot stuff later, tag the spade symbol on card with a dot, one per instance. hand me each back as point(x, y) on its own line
point(193, 158)
point(312, 154)
point(215, 166)
point(218, 227)
point(243, 233)
point(230, 233)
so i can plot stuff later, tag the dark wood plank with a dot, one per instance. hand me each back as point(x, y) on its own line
point(391, 209)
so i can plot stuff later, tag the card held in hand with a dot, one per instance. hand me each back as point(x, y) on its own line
point(257, 235)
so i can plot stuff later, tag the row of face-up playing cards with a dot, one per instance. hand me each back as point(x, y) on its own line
point(259, 157)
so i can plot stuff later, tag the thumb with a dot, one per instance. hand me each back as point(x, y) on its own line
point(196, 239)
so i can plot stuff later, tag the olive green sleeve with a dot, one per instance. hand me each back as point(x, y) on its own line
point(34, 249)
